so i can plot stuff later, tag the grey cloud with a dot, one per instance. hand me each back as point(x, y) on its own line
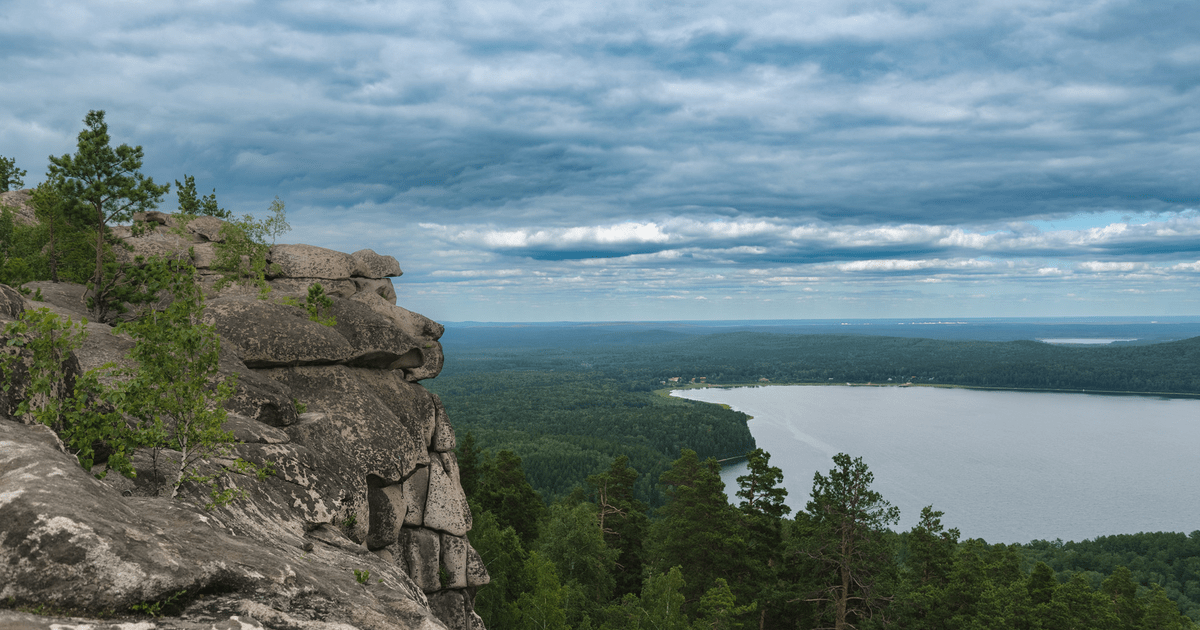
point(880, 131)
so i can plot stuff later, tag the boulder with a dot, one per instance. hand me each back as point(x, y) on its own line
point(375, 339)
point(477, 574)
point(377, 417)
point(450, 608)
point(387, 509)
point(159, 241)
point(365, 480)
point(443, 434)
point(11, 303)
point(421, 557)
point(416, 491)
point(446, 507)
point(65, 295)
point(308, 261)
point(205, 229)
point(298, 287)
point(454, 560)
point(382, 287)
point(156, 218)
point(274, 335)
point(21, 204)
point(368, 264)
point(68, 541)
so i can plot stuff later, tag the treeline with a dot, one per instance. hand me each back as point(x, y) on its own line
point(748, 357)
point(568, 425)
point(1171, 560)
point(599, 558)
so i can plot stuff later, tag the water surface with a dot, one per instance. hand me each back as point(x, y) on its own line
point(1003, 466)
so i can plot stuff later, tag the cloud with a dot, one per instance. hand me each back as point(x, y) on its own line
point(864, 142)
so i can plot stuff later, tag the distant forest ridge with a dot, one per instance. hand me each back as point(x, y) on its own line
point(644, 358)
point(1142, 329)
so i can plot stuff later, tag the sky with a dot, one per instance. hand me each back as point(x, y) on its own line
point(648, 160)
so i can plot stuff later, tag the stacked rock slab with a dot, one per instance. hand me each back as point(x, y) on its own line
point(365, 480)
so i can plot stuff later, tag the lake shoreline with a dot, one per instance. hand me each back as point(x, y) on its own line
point(666, 391)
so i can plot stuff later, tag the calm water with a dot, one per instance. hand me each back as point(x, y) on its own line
point(1003, 466)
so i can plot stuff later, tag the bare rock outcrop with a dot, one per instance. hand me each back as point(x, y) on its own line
point(365, 480)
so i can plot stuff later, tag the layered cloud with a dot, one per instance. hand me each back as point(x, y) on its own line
point(889, 150)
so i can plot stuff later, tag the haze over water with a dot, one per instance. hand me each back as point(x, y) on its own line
point(1003, 466)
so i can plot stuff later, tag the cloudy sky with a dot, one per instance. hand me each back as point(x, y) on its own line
point(697, 159)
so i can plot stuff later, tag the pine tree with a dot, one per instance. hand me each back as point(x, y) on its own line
point(622, 520)
point(847, 521)
point(698, 529)
point(102, 185)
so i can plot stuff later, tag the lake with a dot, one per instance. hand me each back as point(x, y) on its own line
point(1003, 466)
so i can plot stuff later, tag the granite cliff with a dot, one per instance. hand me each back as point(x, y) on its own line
point(365, 481)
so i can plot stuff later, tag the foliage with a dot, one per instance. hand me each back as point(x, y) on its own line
point(622, 520)
point(567, 425)
point(174, 395)
point(101, 185)
point(10, 175)
point(241, 249)
point(505, 558)
point(191, 204)
point(504, 492)
point(697, 529)
point(40, 345)
point(362, 576)
point(276, 225)
point(541, 606)
point(572, 540)
point(314, 304)
point(718, 609)
point(847, 520)
point(1171, 560)
point(157, 608)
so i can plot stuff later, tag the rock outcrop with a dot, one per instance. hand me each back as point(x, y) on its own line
point(363, 523)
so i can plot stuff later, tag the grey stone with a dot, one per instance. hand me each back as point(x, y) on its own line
point(375, 340)
point(422, 553)
point(368, 264)
point(21, 203)
point(416, 490)
point(11, 303)
point(443, 434)
point(298, 287)
point(446, 507)
point(387, 508)
point(309, 261)
point(448, 606)
point(454, 560)
point(69, 541)
point(382, 287)
point(274, 335)
point(252, 432)
point(65, 295)
point(477, 573)
point(380, 419)
point(206, 229)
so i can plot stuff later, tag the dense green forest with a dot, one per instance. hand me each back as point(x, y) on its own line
point(568, 425)
point(565, 416)
point(598, 558)
point(644, 362)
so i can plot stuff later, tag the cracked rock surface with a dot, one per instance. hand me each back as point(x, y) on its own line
point(362, 513)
